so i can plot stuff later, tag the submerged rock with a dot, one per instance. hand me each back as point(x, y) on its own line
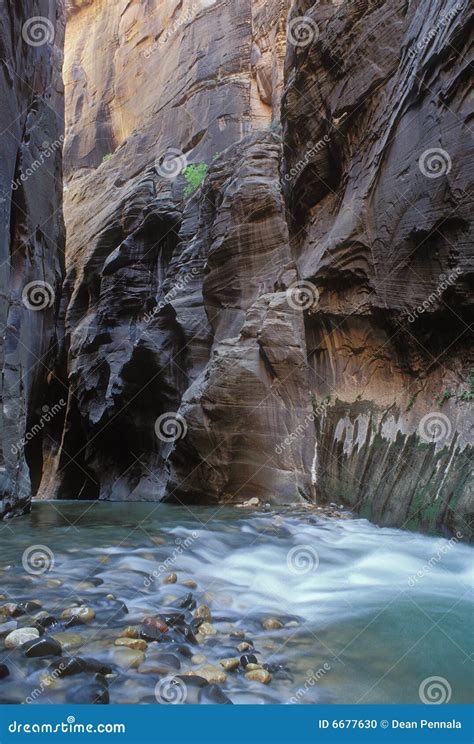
point(92, 693)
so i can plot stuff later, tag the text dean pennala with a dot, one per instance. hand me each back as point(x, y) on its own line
point(355, 723)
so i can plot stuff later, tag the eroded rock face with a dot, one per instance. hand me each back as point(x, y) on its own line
point(378, 175)
point(196, 371)
point(31, 240)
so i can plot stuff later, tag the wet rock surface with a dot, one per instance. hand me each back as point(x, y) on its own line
point(198, 371)
point(31, 240)
point(249, 567)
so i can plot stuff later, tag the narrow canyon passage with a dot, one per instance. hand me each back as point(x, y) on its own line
point(237, 368)
point(260, 301)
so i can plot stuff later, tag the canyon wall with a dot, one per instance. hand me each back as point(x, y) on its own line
point(31, 239)
point(295, 327)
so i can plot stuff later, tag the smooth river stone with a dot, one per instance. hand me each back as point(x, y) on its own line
point(68, 640)
point(259, 675)
point(70, 665)
point(204, 612)
point(18, 637)
point(229, 665)
point(127, 658)
point(6, 628)
point(272, 623)
point(138, 644)
point(82, 614)
point(211, 673)
point(4, 671)
point(42, 647)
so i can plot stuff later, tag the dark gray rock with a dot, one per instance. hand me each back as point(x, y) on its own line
point(31, 242)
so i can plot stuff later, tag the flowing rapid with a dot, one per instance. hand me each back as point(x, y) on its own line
point(317, 607)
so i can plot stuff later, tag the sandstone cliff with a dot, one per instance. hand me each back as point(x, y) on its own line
point(31, 240)
point(260, 336)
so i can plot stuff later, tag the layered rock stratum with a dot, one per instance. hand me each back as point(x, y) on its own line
point(31, 240)
point(297, 328)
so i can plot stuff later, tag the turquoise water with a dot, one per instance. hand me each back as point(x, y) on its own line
point(358, 624)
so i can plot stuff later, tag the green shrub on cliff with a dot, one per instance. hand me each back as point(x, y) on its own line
point(194, 175)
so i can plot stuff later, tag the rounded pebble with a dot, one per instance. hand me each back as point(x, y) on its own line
point(170, 579)
point(128, 658)
point(138, 644)
point(229, 665)
point(82, 614)
point(259, 675)
point(18, 637)
point(272, 623)
point(204, 612)
point(206, 629)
